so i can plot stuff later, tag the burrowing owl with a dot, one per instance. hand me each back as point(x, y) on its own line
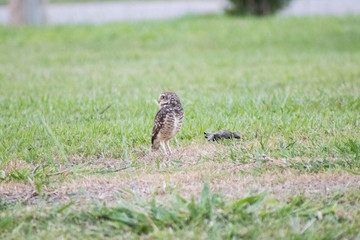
point(167, 122)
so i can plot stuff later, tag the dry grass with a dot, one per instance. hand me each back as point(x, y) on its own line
point(196, 164)
point(10, 166)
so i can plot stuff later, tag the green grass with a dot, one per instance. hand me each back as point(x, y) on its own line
point(292, 83)
point(253, 217)
point(289, 86)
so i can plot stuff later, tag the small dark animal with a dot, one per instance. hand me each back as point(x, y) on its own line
point(222, 134)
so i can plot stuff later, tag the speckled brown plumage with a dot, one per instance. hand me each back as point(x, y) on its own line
point(167, 122)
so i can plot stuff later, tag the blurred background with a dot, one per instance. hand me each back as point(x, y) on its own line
point(54, 12)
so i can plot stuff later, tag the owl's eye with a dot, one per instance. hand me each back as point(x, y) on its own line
point(162, 97)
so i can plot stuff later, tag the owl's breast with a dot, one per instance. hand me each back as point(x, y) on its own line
point(172, 124)
point(176, 124)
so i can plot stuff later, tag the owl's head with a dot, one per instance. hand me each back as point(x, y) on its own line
point(169, 99)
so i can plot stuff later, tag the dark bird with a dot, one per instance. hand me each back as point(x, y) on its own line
point(222, 134)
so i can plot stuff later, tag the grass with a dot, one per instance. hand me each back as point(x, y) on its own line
point(288, 86)
point(211, 217)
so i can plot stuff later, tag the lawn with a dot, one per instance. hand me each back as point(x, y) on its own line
point(77, 109)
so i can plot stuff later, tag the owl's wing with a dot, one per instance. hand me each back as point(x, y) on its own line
point(159, 123)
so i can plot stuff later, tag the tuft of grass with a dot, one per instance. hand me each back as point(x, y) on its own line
point(252, 217)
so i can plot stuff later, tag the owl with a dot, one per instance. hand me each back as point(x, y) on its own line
point(167, 122)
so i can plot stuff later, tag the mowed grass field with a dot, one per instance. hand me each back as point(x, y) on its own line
point(77, 110)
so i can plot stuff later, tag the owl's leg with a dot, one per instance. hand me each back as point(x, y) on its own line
point(168, 146)
point(163, 146)
point(155, 146)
